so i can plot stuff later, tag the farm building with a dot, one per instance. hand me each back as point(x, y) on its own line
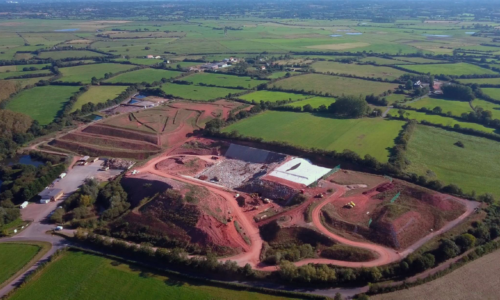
point(48, 195)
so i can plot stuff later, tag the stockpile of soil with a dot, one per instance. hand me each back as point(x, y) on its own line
point(269, 189)
point(107, 130)
point(109, 142)
point(182, 165)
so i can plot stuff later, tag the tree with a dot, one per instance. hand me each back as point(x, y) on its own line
point(349, 106)
point(409, 85)
point(338, 296)
point(487, 198)
point(307, 108)
point(465, 241)
point(448, 249)
point(288, 270)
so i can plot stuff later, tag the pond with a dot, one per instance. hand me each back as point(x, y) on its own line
point(67, 30)
point(335, 35)
point(24, 160)
point(354, 33)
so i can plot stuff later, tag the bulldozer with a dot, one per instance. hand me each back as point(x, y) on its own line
point(350, 205)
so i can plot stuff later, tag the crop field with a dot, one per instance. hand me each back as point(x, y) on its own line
point(13, 257)
point(493, 93)
point(86, 276)
point(494, 108)
point(456, 107)
point(474, 167)
point(363, 136)
point(450, 69)
point(69, 53)
point(98, 94)
point(357, 70)
point(480, 81)
point(42, 103)
point(436, 119)
point(195, 92)
point(85, 73)
point(223, 80)
point(334, 85)
point(315, 102)
point(271, 96)
point(143, 75)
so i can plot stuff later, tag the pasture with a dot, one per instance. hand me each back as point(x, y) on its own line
point(144, 75)
point(69, 53)
point(223, 80)
point(78, 275)
point(493, 93)
point(4, 75)
point(98, 94)
point(383, 61)
point(13, 257)
point(85, 73)
point(357, 70)
point(271, 96)
point(315, 102)
point(334, 85)
point(455, 107)
point(474, 167)
point(480, 81)
point(195, 92)
point(42, 103)
point(456, 69)
point(364, 136)
point(486, 105)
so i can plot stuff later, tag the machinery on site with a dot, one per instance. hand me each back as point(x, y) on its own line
point(350, 205)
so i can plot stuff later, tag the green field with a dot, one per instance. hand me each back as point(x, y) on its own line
point(195, 92)
point(493, 93)
point(357, 70)
point(315, 102)
point(449, 69)
point(474, 167)
point(436, 119)
point(13, 257)
point(480, 81)
point(456, 107)
point(20, 67)
point(98, 94)
point(363, 136)
point(392, 98)
point(419, 60)
point(382, 61)
point(85, 73)
point(334, 85)
point(78, 275)
point(494, 108)
point(143, 75)
point(277, 75)
point(68, 54)
point(4, 75)
point(42, 103)
point(271, 96)
point(224, 80)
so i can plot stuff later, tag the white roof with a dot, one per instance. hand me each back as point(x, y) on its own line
point(300, 170)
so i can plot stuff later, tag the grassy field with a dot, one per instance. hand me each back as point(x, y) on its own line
point(456, 107)
point(357, 70)
point(315, 102)
point(42, 103)
point(474, 167)
point(224, 80)
point(494, 108)
point(277, 75)
point(419, 60)
point(383, 61)
point(271, 96)
point(194, 92)
point(392, 98)
point(144, 75)
point(70, 53)
point(449, 69)
point(77, 275)
point(13, 257)
point(98, 94)
point(334, 85)
point(4, 75)
point(436, 119)
point(480, 81)
point(363, 136)
point(8, 87)
point(85, 73)
point(493, 93)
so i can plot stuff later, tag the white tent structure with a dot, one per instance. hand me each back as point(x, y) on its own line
point(299, 170)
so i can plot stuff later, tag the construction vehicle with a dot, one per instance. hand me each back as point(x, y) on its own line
point(350, 205)
point(215, 157)
point(266, 200)
point(319, 196)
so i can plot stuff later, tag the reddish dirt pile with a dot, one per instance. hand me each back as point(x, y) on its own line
point(182, 165)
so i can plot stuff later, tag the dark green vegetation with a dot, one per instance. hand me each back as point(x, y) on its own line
point(14, 257)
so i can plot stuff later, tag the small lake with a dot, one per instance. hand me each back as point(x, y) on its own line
point(24, 160)
point(67, 30)
point(354, 33)
point(335, 35)
point(470, 32)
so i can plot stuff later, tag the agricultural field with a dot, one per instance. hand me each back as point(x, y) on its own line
point(8, 87)
point(363, 136)
point(457, 108)
point(419, 60)
point(277, 75)
point(473, 167)
point(68, 54)
point(195, 92)
point(13, 257)
point(383, 61)
point(436, 119)
point(85, 73)
point(357, 70)
point(392, 98)
point(480, 81)
point(493, 93)
point(315, 102)
point(42, 103)
point(86, 276)
point(493, 107)
point(144, 75)
point(4, 75)
point(223, 80)
point(98, 94)
point(271, 96)
point(456, 69)
point(19, 68)
point(334, 85)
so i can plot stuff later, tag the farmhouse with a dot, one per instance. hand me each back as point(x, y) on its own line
point(150, 56)
point(48, 195)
